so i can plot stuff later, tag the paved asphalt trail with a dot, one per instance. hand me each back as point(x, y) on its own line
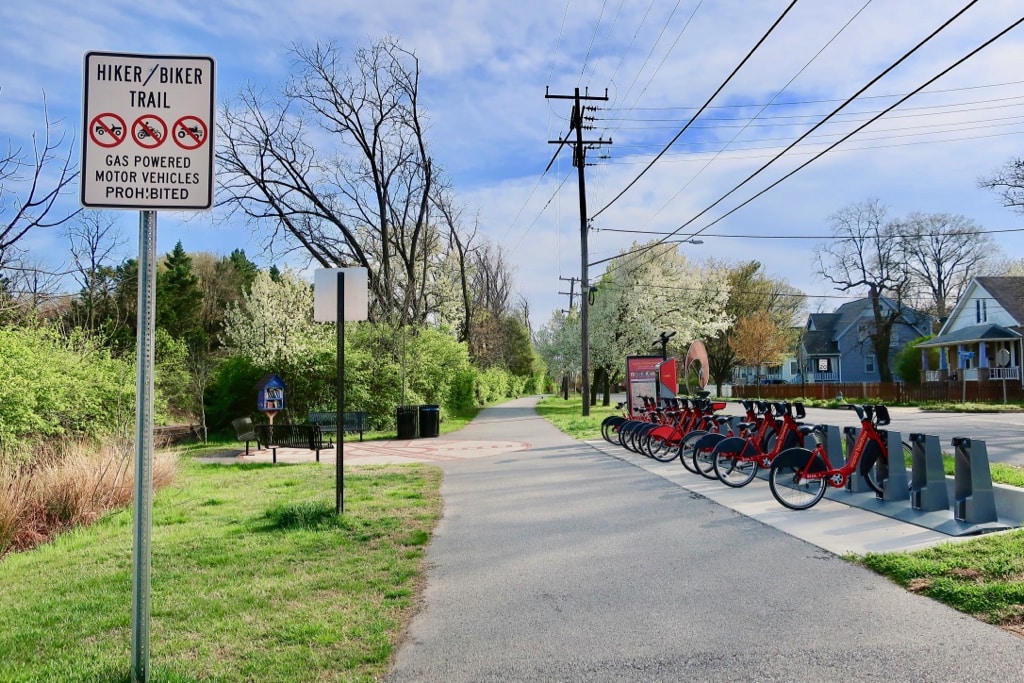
point(559, 563)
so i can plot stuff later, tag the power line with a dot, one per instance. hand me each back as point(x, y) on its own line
point(957, 233)
point(827, 101)
point(760, 111)
point(860, 128)
point(713, 95)
point(850, 99)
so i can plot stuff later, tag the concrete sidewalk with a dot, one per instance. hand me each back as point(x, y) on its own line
point(567, 562)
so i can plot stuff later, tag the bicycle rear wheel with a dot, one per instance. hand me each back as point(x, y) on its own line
point(787, 483)
point(874, 467)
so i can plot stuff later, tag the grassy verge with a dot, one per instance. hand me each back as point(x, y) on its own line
point(566, 415)
point(254, 578)
point(983, 577)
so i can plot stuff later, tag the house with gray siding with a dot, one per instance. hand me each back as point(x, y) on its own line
point(836, 347)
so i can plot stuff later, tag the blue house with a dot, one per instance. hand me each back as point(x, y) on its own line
point(836, 347)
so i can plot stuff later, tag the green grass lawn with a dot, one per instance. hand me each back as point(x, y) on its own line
point(567, 416)
point(254, 578)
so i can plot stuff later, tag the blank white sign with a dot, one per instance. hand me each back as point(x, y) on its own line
point(325, 294)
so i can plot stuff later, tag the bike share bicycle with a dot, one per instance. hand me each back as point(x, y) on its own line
point(799, 477)
point(735, 462)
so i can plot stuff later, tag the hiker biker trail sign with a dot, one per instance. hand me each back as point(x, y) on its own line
point(148, 129)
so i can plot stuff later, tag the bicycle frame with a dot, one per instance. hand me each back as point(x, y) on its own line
point(837, 477)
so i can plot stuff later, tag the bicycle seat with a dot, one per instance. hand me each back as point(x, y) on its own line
point(806, 429)
point(801, 413)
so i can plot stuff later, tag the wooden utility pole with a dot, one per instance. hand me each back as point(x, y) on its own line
point(579, 160)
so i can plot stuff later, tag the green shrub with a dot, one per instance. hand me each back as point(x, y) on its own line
point(60, 387)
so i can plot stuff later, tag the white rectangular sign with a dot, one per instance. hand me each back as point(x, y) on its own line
point(325, 294)
point(147, 140)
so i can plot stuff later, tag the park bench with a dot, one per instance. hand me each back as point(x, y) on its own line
point(292, 436)
point(355, 422)
point(244, 431)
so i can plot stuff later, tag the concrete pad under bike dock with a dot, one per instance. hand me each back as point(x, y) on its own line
point(838, 527)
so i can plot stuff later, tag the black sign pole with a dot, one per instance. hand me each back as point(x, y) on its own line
point(339, 459)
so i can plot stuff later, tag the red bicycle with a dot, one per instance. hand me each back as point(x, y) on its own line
point(798, 476)
point(735, 462)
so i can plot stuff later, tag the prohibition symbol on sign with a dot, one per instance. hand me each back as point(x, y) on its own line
point(189, 132)
point(107, 130)
point(149, 131)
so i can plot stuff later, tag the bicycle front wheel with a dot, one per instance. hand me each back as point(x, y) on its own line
point(661, 448)
point(732, 470)
point(686, 448)
point(787, 482)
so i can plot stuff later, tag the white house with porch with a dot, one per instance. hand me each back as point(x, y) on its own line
point(981, 339)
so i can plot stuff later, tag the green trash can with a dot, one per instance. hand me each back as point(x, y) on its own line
point(405, 419)
point(430, 420)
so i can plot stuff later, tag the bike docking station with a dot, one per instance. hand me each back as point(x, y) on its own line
point(965, 504)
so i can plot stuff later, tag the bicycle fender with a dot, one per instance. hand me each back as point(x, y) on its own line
point(798, 458)
point(731, 444)
point(708, 441)
point(613, 420)
point(661, 431)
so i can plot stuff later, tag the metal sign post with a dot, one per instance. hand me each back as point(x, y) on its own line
point(145, 342)
point(338, 300)
point(147, 144)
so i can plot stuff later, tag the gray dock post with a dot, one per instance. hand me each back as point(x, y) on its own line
point(974, 498)
point(928, 489)
point(834, 446)
point(856, 483)
point(895, 485)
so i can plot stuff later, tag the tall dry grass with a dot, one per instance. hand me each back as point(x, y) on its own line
point(67, 485)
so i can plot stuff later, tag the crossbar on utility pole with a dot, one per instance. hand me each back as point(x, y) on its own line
point(579, 160)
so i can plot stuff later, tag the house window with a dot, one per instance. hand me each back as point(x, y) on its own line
point(869, 363)
point(980, 311)
point(794, 367)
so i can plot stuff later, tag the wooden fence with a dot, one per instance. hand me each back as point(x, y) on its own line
point(890, 392)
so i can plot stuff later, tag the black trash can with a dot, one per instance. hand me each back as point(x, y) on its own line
point(405, 418)
point(430, 420)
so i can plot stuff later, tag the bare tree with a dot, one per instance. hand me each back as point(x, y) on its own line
point(93, 239)
point(865, 255)
point(340, 166)
point(943, 252)
point(1008, 183)
point(31, 182)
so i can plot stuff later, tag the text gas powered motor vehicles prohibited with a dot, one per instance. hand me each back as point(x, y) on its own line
point(148, 140)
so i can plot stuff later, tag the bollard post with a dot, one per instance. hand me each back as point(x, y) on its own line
point(974, 498)
point(856, 483)
point(928, 490)
point(894, 485)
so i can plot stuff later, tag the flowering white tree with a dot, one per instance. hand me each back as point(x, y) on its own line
point(645, 292)
point(274, 321)
point(559, 344)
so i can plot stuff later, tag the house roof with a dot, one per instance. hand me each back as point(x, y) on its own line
point(1008, 293)
point(972, 334)
point(820, 343)
point(825, 329)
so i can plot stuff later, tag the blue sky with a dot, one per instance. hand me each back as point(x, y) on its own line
point(486, 65)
